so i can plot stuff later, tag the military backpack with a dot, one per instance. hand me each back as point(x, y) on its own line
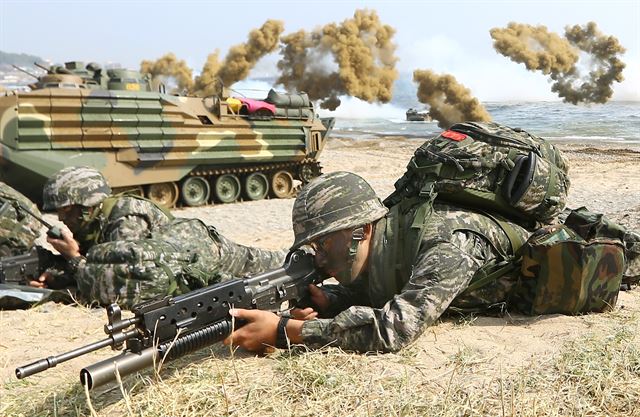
point(513, 176)
point(491, 167)
point(574, 267)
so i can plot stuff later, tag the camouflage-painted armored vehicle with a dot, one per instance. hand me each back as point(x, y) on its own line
point(75, 74)
point(169, 148)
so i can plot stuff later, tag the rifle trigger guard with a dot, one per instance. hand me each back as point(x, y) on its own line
point(282, 291)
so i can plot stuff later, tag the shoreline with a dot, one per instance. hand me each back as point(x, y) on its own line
point(563, 143)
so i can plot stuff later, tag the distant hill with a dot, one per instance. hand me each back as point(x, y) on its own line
point(8, 58)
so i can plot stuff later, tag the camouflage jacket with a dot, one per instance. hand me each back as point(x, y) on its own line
point(217, 258)
point(117, 218)
point(126, 218)
point(392, 303)
point(18, 231)
point(175, 257)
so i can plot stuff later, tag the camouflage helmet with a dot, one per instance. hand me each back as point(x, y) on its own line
point(75, 185)
point(332, 202)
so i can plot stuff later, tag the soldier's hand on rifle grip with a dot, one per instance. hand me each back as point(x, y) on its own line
point(318, 297)
point(67, 246)
point(304, 313)
point(42, 281)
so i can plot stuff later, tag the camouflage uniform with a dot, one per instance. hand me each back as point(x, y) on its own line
point(104, 217)
point(400, 293)
point(179, 256)
point(131, 218)
point(135, 250)
point(18, 231)
point(632, 245)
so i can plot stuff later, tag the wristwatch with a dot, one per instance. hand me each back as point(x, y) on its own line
point(282, 341)
point(73, 263)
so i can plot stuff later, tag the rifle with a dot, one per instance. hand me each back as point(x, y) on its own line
point(171, 327)
point(19, 269)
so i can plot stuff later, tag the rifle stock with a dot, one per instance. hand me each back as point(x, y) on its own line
point(172, 327)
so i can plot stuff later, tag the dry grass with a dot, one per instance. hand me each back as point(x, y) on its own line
point(596, 374)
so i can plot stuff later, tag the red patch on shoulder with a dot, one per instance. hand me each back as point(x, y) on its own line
point(450, 134)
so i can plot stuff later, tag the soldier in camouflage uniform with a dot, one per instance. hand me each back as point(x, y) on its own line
point(389, 291)
point(125, 248)
point(18, 230)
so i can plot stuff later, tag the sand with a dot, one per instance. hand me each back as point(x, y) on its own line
point(605, 178)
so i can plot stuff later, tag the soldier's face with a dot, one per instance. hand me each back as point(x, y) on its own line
point(332, 253)
point(71, 216)
point(334, 256)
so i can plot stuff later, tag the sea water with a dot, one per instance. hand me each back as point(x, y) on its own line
point(616, 121)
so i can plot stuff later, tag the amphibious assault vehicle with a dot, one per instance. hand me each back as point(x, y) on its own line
point(414, 115)
point(169, 148)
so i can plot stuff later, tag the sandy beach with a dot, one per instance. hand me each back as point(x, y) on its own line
point(604, 178)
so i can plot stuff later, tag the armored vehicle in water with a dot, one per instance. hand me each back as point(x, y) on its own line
point(414, 115)
point(171, 149)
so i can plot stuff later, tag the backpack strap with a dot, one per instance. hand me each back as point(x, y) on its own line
point(176, 285)
point(411, 230)
point(103, 211)
point(495, 269)
point(515, 240)
point(109, 203)
point(490, 272)
point(552, 190)
point(403, 235)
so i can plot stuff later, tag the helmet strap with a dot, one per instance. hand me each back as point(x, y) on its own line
point(86, 214)
point(357, 236)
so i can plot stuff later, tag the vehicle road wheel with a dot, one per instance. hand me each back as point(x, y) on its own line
point(308, 172)
point(227, 188)
point(164, 193)
point(195, 191)
point(281, 184)
point(256, 186)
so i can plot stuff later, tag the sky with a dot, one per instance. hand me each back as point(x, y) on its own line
point(444, 36)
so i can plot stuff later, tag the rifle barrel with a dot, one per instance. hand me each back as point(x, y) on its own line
point(51, 361)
